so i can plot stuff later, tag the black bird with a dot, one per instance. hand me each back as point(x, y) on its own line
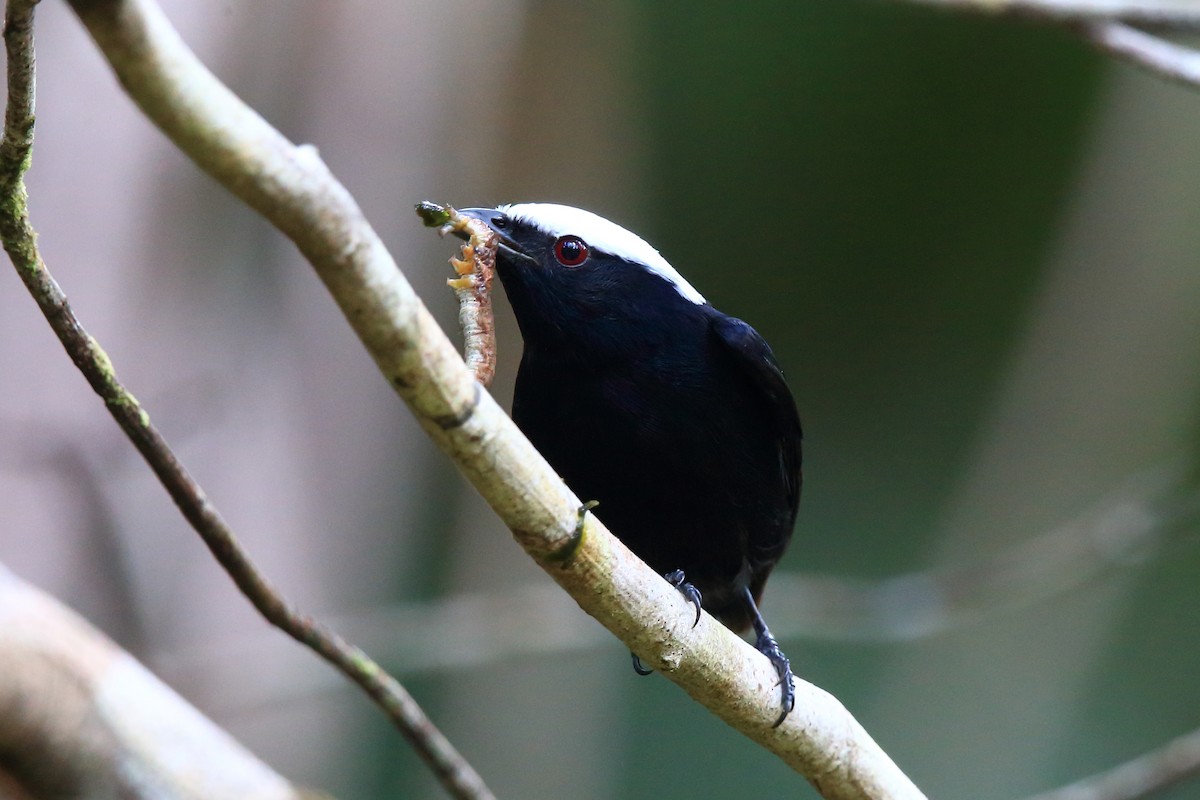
point(642, 396)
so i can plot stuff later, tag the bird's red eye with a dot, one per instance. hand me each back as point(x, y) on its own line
point(571, 251)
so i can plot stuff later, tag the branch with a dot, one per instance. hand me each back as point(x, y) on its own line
point(1159, 769)
point(1171, 61)
point(1154, 13)
point(1128, 527)
point(79, 717)
point(20, 243)
point(293, 189)
point(1108, 26)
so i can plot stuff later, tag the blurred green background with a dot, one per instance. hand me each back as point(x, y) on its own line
point(971, 242)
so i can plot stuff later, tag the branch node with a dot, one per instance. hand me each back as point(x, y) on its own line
point(569, 548)
point(450, 421)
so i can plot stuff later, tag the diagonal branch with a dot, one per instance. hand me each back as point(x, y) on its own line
point(20, 242)
point(292, 188)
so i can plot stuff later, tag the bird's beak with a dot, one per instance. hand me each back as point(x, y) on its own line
point(495, 220)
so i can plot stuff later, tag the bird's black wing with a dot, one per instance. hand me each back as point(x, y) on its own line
point(753, 357)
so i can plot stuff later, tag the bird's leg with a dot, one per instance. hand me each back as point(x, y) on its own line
point(765, 643)
point(676, 579)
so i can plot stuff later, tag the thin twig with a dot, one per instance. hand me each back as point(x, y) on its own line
point(20, 243)
point(1141, 777)
point(1172, 61)
point(1108, 26)
point(1169, 14)
point(293, 189)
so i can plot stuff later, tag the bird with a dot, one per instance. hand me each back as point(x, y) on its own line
point(674, 417)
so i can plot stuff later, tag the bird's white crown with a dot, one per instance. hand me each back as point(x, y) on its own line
point(558, 220)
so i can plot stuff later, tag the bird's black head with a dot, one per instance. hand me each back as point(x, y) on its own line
point(578, 280)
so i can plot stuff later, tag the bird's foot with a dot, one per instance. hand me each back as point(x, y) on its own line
point(765, 643)
point(677, 579)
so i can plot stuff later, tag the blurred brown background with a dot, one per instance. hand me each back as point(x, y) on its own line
point(972, 243)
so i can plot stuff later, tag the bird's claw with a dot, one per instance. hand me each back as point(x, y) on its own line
point(680, 582)
point(676, 579)
point(767, 645)
point(638, 667)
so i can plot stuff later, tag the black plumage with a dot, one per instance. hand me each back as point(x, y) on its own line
point(672, 415)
